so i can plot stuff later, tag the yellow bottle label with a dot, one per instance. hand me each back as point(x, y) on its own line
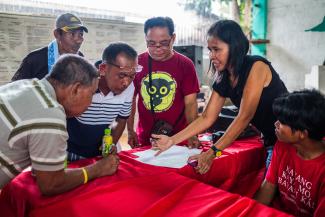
point(107, 145)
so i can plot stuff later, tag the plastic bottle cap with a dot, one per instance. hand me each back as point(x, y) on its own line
point(107, 131)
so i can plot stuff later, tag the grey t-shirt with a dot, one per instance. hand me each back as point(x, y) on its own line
point(32, 128)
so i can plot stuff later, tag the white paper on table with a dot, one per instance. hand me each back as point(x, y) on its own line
point(174, 157)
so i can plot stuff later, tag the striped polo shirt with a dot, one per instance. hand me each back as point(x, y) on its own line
point(87, 130)
point(32, 128)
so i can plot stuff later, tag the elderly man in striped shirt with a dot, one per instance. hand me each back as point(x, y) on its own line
point(33, 126)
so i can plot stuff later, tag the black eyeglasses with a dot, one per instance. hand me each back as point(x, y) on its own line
point(137, 68)
point(164, 43)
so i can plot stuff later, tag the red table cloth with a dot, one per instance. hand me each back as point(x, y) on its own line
point(23, 195)
point(239, 170)
point(156, 195)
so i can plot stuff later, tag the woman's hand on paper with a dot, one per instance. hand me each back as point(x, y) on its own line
point(161, 143)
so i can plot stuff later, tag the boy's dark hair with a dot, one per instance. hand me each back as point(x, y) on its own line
point(159, 22)
point(114, 49)
point(71, 68)
point(302, 110)
point(231, 33)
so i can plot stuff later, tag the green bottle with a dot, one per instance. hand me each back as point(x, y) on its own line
point(66, 163)
point(107, 142)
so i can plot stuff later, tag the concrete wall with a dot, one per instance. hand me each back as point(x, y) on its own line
point(291, 50)
point(20, 34)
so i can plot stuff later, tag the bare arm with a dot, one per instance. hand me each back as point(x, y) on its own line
point(197, 126)
point(249, 102)
point(190, 107)
point(130, 121)
point(255, 83)
point(56, 182)
point(204, 121)
point(191, 113)
point(266, 193)
point(118, 129)
point(132, 136)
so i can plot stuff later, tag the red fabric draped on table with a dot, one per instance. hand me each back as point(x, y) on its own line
point(138, 189)
point(22, 194)
point(239, 170)
point(166, 194)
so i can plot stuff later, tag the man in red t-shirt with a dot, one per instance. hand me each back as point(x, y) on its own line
point(173, 87)
point(296, 176)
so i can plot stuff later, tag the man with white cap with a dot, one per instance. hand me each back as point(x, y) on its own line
point(68, 34)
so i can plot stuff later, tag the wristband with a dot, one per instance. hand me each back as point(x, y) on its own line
point(84, 171)
point(217, 152)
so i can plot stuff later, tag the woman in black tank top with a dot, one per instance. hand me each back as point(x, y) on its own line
point(249, 81)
